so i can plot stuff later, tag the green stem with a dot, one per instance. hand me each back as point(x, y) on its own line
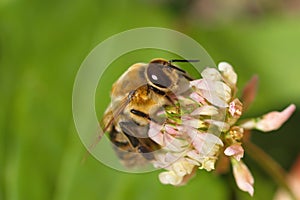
point(269, 165)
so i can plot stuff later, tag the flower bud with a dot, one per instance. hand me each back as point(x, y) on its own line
point(243, 176)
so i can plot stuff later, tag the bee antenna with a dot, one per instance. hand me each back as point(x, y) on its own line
point(182, 60)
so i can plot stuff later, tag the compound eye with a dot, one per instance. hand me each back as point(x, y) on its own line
point(157, 75)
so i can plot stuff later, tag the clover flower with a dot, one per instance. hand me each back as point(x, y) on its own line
point(204, 125)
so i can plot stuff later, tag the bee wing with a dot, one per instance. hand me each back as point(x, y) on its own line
point(107, 121)
point(133, 129)
point(111, 114)
point(133, 145)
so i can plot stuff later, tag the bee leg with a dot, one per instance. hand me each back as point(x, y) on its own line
point(162, 93)
point(156, 90)
point(130, 95)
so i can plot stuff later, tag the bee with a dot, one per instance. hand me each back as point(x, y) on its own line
point(142, 91)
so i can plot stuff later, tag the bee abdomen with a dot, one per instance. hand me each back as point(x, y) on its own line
point(118, 139)
point(140, 113)
point(126, 147)
point(146, 153)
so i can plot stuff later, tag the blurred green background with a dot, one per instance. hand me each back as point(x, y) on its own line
point(43, 43)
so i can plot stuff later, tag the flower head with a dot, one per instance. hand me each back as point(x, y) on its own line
point(204, 124)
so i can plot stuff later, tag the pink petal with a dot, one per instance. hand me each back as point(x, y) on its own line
point(243, 176)
point(185, 101)
point(214, 99)
point(173, 143)
point(205, 143)
point(274, 120)
point(198, 98)
point(235, 150)
point(155, 133)
point(235, 108)
point(248, 124)
point(249, 92)
point(195, 134)
point(216, 92)
point(197, 83)
point(169, 129)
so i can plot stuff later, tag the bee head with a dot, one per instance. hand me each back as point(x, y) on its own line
point(159, 76)
point(163, 75)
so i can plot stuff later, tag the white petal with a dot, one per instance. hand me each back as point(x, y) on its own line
point(214, 99)
point(223, 90)
point(192, 161)
point(192, 122)
point(170, 177)
point(193, 154)
point(228, 72)
point(205, 110)
point(172, 157)
point(208, 164)
point(203, 84)
point(185, 101)
point(223, 126)
point(182, 167)
point(174, 144)
point(211, 74)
